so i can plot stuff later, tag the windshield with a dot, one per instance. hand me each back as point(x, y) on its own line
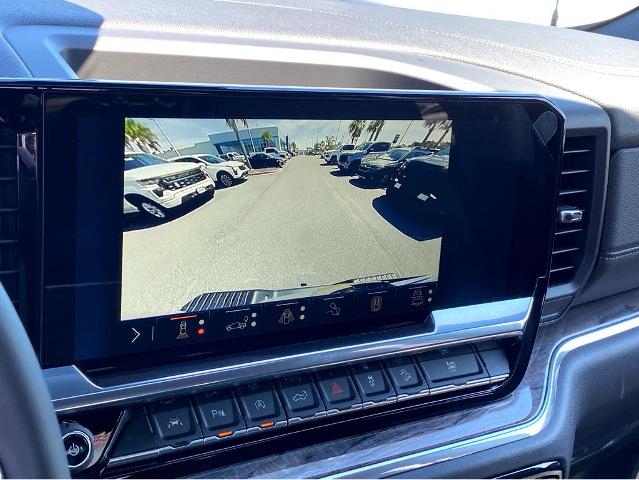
point(137, 160)
point(444, 151)
point(363, 146)
point(397, 153)
point(348, 147)
point(211, 159)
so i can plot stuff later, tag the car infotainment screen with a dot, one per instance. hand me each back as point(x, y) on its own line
point(319, 220)
point(228, 220)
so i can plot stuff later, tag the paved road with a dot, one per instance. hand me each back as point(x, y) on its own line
point(306, 223)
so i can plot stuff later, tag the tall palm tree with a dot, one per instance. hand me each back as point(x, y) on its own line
point(430, 128)
point(355, 129)
point(248, 127)
point(380, 125)
point(232, 123)
point(447, 125)
point(138, 136)
point(266, 137)
point(371, 128)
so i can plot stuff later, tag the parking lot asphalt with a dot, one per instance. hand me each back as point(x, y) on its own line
point(304, 224)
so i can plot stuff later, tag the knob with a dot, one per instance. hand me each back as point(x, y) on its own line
point(78, 445)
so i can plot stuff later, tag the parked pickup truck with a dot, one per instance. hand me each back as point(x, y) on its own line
point(331, 156)
point(349, 161)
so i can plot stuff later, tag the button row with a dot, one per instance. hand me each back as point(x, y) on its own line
point(270, 317)
point(226, 413)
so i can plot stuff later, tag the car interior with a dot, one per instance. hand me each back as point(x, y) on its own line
point(318, 239)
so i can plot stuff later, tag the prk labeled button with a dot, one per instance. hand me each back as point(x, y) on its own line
point(219, 413)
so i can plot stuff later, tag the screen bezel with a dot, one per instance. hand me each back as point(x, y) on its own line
point(61, 140)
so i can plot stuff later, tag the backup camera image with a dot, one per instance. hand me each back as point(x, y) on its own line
point(266, 209)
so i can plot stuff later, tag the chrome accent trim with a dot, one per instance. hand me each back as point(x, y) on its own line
point(198, 442)
point(532, 427)
point(132, 457)
point(453, 388)
point(72, 391)
point(498, 378)
point(570, 215)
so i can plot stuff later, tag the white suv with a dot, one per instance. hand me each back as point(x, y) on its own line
point(154, 186)
point(331, 156)
point(225, 172)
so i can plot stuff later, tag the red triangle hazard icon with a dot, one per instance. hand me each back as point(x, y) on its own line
point(336, 388)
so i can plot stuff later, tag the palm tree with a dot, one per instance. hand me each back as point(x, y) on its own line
point(371, 128)
point(232, 123)
point(266, 138)
point(355, 129)
point(138, 136)
point(430, 128)
point(447, 125)
point(380, 125)
point(248, 127)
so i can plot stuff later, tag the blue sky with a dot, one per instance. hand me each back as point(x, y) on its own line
point(185, 132)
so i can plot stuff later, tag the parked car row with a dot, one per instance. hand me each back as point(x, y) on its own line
point(153, 185)
point(417, 176)
point(422, 181)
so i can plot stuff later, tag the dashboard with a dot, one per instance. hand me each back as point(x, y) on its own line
point(472, 339)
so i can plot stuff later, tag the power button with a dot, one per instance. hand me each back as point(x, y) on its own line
point(77, 446)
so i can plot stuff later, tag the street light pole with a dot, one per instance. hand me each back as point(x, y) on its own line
point(405, 131)
point(165, 136)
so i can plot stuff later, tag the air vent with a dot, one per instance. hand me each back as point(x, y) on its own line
point(575, 200)
point(9, 218)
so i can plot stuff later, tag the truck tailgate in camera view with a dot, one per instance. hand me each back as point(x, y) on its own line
point(292, 228)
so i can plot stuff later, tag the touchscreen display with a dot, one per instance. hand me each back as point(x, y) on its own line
point(232, 213)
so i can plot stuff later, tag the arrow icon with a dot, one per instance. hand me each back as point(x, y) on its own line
point(137, 334)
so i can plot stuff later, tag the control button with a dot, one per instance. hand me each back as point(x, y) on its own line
point(184, 329)
point(376, 302)
point(260, 405)
point(239, 321)
point(136, 436)
point(219, 413)
point(137, 335)
point(333, 308)
point(496, 363)
point(415, 297)
point(300, 396)
point(450, 368)
point(405, 376)
point(175, 423)
point(371, 381)
point(286, 315)
point(77, 446)
point(337, 390)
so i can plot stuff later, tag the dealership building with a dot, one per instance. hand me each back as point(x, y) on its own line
point(224, 142)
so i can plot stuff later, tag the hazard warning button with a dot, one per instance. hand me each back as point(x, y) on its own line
point(337, 390)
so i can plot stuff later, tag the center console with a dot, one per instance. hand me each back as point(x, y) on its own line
point(217, 268)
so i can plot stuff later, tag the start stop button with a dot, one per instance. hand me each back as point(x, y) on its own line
point(78, 447)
